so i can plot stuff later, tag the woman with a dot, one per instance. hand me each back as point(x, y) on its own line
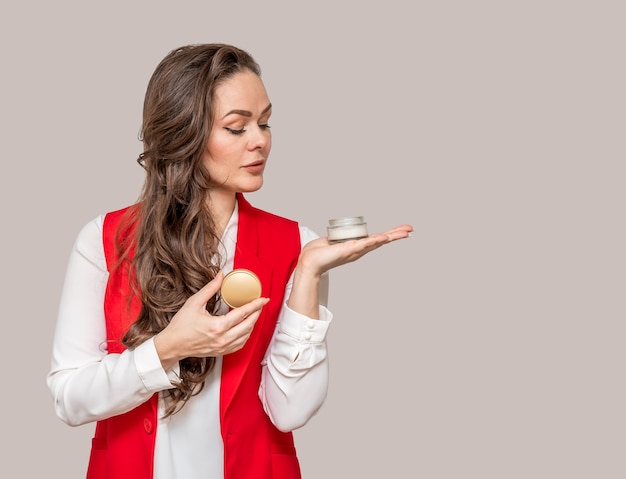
point(180, 384)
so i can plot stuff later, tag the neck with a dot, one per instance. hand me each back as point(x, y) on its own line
point(221, 206)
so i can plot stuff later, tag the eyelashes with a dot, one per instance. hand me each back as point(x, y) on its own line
point(234, 131)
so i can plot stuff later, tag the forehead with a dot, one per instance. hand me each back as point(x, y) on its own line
point(244, 90)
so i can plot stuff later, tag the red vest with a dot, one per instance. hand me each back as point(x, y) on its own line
point(123, 446)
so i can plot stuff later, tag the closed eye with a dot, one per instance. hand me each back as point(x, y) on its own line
point(234, 131)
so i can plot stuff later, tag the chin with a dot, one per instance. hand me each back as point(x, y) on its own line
point(251, 187)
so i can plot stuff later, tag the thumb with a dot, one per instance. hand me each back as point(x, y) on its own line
point(204, 294)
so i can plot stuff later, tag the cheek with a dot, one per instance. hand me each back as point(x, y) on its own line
point(217, 154)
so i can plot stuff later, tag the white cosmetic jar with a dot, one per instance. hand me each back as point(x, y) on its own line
point(347, 228)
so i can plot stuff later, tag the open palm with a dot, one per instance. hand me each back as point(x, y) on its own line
point(319, 256)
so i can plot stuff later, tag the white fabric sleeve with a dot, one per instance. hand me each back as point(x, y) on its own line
point(294, 380)
point(87, 383)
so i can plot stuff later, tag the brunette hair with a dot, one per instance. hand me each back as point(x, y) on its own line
point(175, 248)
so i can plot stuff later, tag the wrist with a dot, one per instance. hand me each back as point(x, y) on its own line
point(304, 297)
point(165, 350)
point(306, 271)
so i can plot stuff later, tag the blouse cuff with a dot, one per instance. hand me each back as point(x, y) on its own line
point(301, 327)
point(150, 370)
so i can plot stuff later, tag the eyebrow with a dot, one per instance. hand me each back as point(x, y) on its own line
point(246, 112)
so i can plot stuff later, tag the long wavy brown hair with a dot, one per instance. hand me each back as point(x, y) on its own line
point(175, 246)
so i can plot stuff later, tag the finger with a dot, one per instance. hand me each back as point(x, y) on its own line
point(355, 249)
point(236, 315)
point(399, 232)
point(401, 228)
point(374, 241)
point(202, 297)
point(244, 325)
point(252, 307)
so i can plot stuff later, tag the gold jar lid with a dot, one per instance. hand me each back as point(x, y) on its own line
point(239, 287)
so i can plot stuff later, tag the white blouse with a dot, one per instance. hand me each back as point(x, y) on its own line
point(88, 384)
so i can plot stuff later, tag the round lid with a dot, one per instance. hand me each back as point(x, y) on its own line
point(239, 287)
point(347, 221)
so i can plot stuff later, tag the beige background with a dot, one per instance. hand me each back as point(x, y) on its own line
point(490, 344)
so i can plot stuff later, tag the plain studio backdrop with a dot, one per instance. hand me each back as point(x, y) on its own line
point(488, 345)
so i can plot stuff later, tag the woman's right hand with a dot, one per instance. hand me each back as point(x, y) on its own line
point(194, 332)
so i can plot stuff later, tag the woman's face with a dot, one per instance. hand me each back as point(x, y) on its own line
point(240, 139)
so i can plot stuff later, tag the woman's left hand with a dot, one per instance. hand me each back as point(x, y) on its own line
point(319, 256)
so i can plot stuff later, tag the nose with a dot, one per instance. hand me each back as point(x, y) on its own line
point(259, 138)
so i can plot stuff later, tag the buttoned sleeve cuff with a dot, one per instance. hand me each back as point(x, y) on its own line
point(294, 378)
point(150, 370)
point(302, 328)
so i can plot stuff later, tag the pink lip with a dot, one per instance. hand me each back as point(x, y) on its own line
point(256, 167)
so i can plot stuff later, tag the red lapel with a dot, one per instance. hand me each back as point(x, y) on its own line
point(246, 256)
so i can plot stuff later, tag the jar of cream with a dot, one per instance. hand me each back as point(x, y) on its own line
point(348, 228)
